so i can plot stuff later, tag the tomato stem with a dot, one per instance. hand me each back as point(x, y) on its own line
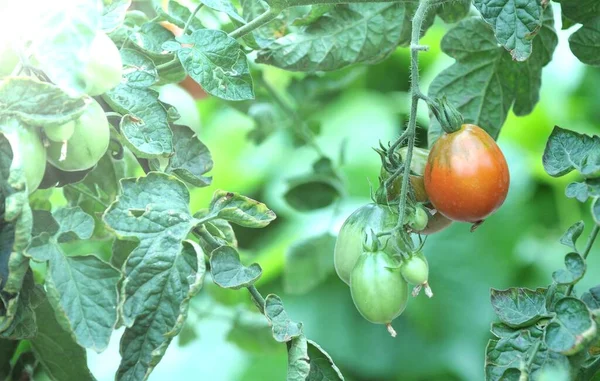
point(391, 329)
point(189, 20)
point(266, 17)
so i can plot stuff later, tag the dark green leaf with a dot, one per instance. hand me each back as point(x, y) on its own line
point(54, 347)
point(580, 11)
point(164, 310)
point(322, 367)
point(572, 235)
point(251, 332)
point(138, 69)
point(83, 289)
point(7, 350)
point(575, 265)
point(227, 270)
point(501, 330)
point(191, 159)
point(454, 11)
point(224, 6)
point(554, 293)
point(120, 252)
point(572, 327)
point(519, 307)
point(298, 360)
point(265, 35)
point(24, 325)
point(149, 40)
point(567, 150)
point(179, 15)
point(485, 82)
point(144, 128)
point(315, 13)
point(114, 13)
point(515, 23)
point(312, 192)
point(585, 43)
point(218, 63)
point(348, 34)
point(240, 210)
point(308, 263)
point(592, 298)
point(513, 353)
point(38, 103)
point(284, 329)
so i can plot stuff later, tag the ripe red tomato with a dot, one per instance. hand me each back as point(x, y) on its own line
point(466, 176)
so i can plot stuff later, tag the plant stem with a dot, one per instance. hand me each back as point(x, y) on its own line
point(586, 251)
point(416, 95)
point(189, 20)
point(258, 298)
point(268, 16)
point(86, 193)
point(529, 363)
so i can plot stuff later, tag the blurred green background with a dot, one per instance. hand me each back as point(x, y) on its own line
point(442, 338)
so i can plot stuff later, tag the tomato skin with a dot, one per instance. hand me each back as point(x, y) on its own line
point(88, 143)
point(466, 176)
point(378, 290)
point(435, 223)
point(419, 219)
point(349, 243)
point(61, 132)
point(33, 155)
point(104, 66)
point(415, 270)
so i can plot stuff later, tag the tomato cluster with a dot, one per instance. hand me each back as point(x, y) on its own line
point(463, 178)
point(78, 144)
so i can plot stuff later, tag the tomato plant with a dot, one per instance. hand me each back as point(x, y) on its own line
point(466, 177)
point(103, 66)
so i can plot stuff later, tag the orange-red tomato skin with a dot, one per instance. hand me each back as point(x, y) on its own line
point(466, 176)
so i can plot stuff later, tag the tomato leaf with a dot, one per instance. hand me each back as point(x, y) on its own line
point(298, 360)
point(8, 349)
point(580, 11)
point(567, 150)
point(519, 307)
point(585, 43)
point(572, 235)
point(308, 263)
point(161, 274)
point(315, 13)
point(575, 269)
point(501, 330)
point(266, 34)
point(24, 324)
point(191, 159)
point(592, 298)
point(454, 11)
point(313, 191)
point(507, 356)
point(571, 328)
point(178, 14)
point(596, 210)
point(218, 63)
point(114, 14)
point(73, 282)
point(240, 210)
point(284, 329)
point(38, 103)
point(308, 361)
point(57, 352)
point(144, 128)
point(139, 70)
point(583, 190)
point(348, 34)
point(515, 23)
point(228, 272)
point(485, 82)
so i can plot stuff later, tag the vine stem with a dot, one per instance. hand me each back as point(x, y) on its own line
point(189, 20)
point(416, 95)
point(266, 17)
point(586, 251)
point(529, 363)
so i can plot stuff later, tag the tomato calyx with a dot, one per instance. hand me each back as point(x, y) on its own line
point(448, 116)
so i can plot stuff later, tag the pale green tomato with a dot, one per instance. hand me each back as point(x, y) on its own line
point(29, 151)
point(415, 269)
point(61, 132)
point(179, 98)
point(8, 59)
point(88, 143)
point(104, 67)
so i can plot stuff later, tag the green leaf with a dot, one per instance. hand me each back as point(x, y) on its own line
point(57, 352)
point(138, 69)
point(24, 325)
point(511, 354)
point(149, 39)
point(114, 14)
point(82, 289)
point(251, 332)
point(267, 119)
point(348, 34)
point(266, 34)
point(584, 190)
point(515, 23)
point(519, 307)
point(454, 11)
point(575, 265)
point(164, 311)
point(596, 210)
point(228, 272)
point(144, 128)
point(572, 235)
point(554, 293)
point(316, 12)
point(485, 82)
point(313, 191)
point(572, 327)
point(191, 159)
point(585, 43)
point(7, 350)
point(178, 14)
point(218, 63)
point(308, 361)
point(38, 103)
point(240, 210)
point(568, 150)
point(224, 6)
point(120, 252)
point(308, 263)
point(62, 49)
point(580, 11)
point(592, 298)
point(298, 360)
point(160, 274)
point(501, 330)
point(284, 329)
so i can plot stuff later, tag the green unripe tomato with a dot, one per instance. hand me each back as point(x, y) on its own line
point(349, 243)
point(415, 269)
point(33, 156)
point(88, 143)
point(378, 290)
point(61, 132)
point(104, 67)
point(418, 220)
point(8, 59)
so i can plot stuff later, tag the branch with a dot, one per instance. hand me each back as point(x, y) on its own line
point(268, 16)
point(586, 251)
